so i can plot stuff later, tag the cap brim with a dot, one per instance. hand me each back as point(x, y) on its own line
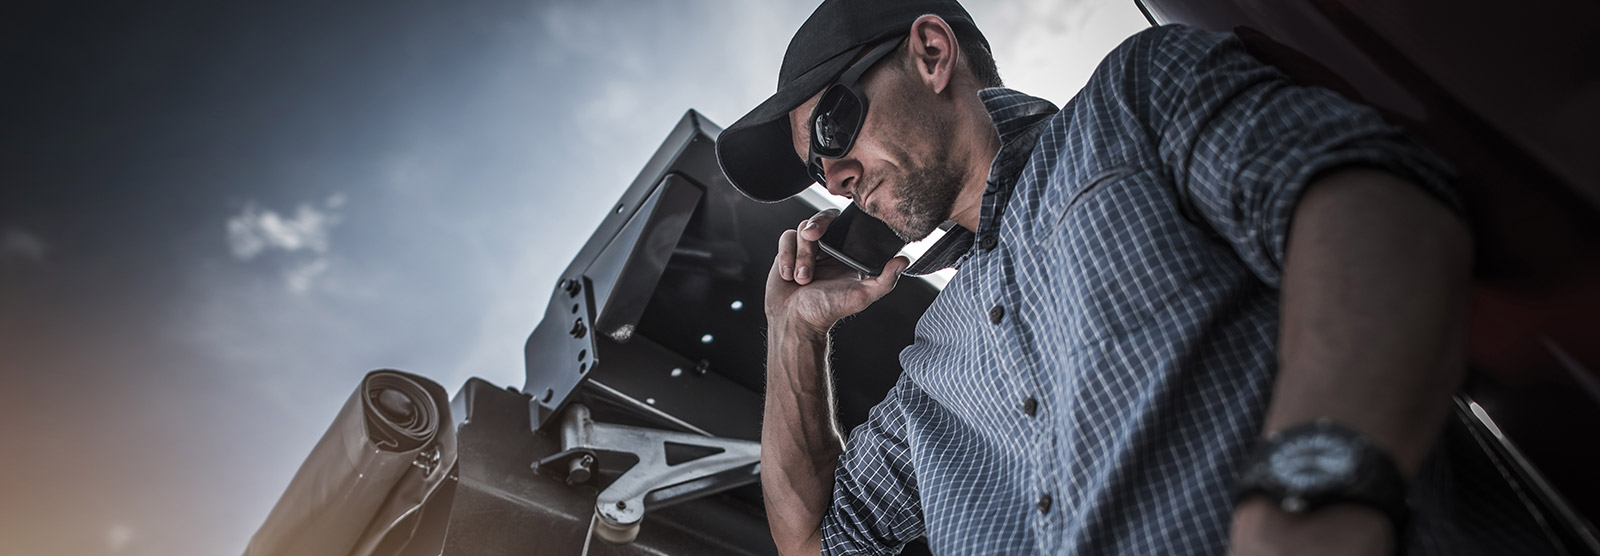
point(757, 153)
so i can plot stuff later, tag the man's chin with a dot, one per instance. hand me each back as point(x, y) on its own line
point(910, 234)
point(900, 226)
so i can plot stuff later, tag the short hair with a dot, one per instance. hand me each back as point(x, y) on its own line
point(979, 59)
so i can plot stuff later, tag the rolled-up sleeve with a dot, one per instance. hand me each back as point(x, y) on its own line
point(1242, 141)
point(876, 508)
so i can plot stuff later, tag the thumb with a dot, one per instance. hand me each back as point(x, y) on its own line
point(881, 284)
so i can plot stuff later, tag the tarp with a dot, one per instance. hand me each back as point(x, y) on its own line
point(388, 450)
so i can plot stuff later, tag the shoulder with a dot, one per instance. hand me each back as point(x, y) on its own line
point(1166, 42)
point(1170, 66)
point(1129, 71)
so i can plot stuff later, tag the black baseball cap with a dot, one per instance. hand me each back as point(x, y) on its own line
point(756, 152)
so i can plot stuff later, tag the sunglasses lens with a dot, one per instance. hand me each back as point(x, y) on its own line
point(838, 118)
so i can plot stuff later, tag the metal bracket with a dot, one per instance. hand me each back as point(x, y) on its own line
point(656, 481)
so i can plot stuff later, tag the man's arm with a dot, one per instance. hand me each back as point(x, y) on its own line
point(1372, 268)
point(1374, 318)
point(800, 440)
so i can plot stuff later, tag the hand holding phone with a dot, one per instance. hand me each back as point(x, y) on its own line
point(810, 291)
point(857, 239)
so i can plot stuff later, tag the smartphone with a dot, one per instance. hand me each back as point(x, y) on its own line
point(857, 239)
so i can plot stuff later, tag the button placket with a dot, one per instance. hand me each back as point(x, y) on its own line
point(988, 242)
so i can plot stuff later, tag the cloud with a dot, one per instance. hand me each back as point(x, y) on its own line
point(19, 245)
point(256, 230)
point(299, 276)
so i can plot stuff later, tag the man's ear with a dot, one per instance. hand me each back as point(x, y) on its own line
point(933, 50)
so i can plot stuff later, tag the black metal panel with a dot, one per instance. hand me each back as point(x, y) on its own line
point(624, 275)
point(557, 353)
point(666, 382)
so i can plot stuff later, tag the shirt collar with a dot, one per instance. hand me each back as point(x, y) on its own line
point(1017, 118)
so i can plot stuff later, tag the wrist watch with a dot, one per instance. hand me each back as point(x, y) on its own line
point(1319, 464)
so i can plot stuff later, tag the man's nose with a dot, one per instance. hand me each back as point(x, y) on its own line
point(842, 174)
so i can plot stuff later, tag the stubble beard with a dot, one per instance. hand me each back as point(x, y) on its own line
point(928, 196)
point(932, 182)
point(933, 176)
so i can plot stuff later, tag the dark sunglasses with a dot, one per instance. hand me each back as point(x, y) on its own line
point(838, 116)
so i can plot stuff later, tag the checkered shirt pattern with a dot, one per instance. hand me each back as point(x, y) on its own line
point(1093, 377)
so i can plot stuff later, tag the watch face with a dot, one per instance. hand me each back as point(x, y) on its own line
point(1313, 463)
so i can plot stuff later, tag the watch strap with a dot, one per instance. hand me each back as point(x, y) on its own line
point(1377, 482)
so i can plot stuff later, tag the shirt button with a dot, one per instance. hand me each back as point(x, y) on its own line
point(1030, 406)
point(997, 313)
point(1044, 503)
point(988, 242)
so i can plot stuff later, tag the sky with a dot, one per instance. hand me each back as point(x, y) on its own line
point(216, 217)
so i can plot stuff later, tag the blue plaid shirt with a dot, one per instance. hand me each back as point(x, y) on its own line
point(1092, 378)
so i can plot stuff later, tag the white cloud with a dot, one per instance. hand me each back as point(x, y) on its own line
point(19, 245)
point(256, 230)
point(299, 276)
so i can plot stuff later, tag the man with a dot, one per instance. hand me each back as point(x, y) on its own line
point(1198, 310)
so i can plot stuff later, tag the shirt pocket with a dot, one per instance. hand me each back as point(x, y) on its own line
point(1120, 254)
point(1061, 203)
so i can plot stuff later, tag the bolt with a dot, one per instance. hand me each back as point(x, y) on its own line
point(572, 287)
point(622, 505)
point(578, 329)
point(580, 469)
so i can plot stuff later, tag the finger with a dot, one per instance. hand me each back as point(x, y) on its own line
point(881, 284)
point(813, 227)
point(786, 251)
point(775, 280)
point(804, 253)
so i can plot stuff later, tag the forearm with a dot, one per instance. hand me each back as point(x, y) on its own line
point(800, 440)
point(1373, 323)
point(1374, 312)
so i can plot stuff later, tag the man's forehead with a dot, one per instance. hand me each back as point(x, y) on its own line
point(800, 132)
